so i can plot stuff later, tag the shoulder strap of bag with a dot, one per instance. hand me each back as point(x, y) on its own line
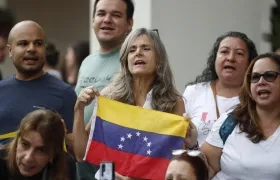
point(227, 128)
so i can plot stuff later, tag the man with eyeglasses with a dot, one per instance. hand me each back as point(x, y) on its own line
point(112, 22)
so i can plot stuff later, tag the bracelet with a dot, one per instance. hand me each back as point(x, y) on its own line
point(195, 147)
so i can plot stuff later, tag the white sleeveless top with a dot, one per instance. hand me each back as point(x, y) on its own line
point(148, 102)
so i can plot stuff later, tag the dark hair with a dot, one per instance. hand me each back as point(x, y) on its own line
point(81, 50)
point(209, 73)
point(7, 21)
point(199, 167)
point(245, 114)
point(129, 8)
point(52, 54)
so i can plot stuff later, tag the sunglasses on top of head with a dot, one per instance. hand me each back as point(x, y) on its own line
point(192, 153)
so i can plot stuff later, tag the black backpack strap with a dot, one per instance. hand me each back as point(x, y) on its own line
point(227, 128)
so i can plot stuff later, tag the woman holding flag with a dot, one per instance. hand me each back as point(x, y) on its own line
point(145, 80)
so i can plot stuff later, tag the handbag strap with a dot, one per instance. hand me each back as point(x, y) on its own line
point(213, 87)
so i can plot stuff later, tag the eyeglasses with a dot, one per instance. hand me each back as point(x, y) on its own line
point(192, 153)
point(269, 76)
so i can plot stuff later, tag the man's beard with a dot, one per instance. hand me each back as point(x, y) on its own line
point(29, 72)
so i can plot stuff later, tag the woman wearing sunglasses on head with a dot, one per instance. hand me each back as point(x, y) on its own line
point(187, 165)
point(251, 149)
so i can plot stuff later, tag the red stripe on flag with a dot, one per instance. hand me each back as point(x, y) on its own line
point(140, 166)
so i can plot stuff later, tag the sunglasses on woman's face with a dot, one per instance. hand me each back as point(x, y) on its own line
point(269, 76)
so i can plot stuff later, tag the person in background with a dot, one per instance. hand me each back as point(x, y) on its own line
point(7, 21)
point(52, 59)
point(74, 57)
point(216, 90)
point(187, 165)
point(251, 148)
point(37, 150)
point(112, 22)
point(3, 52)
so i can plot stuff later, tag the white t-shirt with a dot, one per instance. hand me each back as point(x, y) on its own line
point(242, 159)
point(201, 107)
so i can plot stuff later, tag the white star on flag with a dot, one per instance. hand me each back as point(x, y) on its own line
point(120, 146)
point(149, 144)
point(122, 139)
point(129, 136)
point(145, 139)
point(138, 134)
point(149, 152)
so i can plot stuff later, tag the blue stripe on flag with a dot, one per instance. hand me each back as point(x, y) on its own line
point(135, 141)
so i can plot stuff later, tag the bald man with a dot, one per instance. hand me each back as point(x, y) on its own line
point(31, 88)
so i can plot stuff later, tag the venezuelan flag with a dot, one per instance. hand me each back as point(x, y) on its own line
point(140, 141)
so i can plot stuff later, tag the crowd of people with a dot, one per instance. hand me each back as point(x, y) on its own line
point(232, 106)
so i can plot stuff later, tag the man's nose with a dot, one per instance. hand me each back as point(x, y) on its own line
point(31, 47)
point(107, 18)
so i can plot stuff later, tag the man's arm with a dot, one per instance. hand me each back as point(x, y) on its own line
point(67, 113)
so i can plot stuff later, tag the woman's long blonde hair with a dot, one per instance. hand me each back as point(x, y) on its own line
point(164, 93)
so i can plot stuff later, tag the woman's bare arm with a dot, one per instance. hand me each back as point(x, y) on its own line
point(213, 155)
point(80, 136)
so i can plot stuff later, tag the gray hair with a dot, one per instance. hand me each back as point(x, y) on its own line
point(164, 93)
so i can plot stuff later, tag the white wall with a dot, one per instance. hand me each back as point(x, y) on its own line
point(64, 21)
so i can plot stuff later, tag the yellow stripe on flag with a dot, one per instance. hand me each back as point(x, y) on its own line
point(8, 135)
point(141, 118)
